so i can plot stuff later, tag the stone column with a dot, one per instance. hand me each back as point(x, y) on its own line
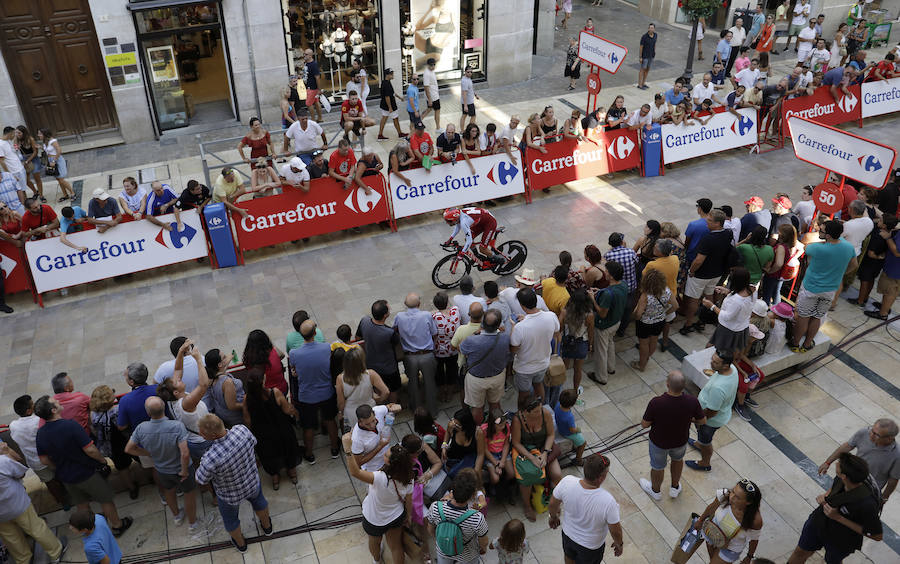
point(510, 34)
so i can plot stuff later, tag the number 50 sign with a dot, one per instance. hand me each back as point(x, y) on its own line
point(828, 197)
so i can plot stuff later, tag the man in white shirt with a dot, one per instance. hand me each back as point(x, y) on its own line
point(530, 344)
point(705, 90)
point(24, 432)
point(429, 82)
point(591, 512)
point(361, 88)
point(805, 207)
point(640, 118)
point(466, 298)
point(467, 96)
point(748, 76)
point(856, 229)
point(508, 295)
point(369, 439)
point(189, 376)
point(11, 161)
point(508, 137)
point(294, 173)
point(806, 40)
point(801, 16)
point(306, 135)
point(659, 111)
point(738, 35)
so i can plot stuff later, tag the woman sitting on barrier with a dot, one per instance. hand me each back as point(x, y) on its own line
point(133, 198)
point(399, 159)
point(533, 435)
point(263, 179)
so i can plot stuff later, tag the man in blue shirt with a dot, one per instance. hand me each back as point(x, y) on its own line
point(102, 207)
point(487, 354)
point(99, 544)
point(132, 411)
point(759, 18)
point(696, 229)
point(828, 261)
point(647, 54)
point(417, 330)
point(757, 214)
point(315, 393)
point(676, 94)
point(161, 200)
point(412, 99)
point(72, 220)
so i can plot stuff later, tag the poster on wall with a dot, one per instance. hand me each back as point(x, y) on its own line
point(123, 68)
point(436, 35)
point(162, 63)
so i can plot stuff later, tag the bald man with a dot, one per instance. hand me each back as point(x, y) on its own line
point(315, 393)
point(164, 440)
point(669, 417)
point(417, 330)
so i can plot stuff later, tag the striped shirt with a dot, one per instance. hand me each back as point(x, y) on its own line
point(230, 464)
point(472, 528)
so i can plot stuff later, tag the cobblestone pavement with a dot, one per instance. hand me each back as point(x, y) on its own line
point(96, 330)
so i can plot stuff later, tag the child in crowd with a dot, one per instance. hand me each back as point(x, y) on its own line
point(705, 109)
point(345, 337)
point(496, 437)
point(565, 423)
point(511, 545)
point(780, 315)
point(479, 501)
point(426, 427)
point(99, 544)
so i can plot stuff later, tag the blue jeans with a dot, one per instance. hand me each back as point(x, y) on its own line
point(454, 466)
point(229, 512)
point(551, 395)
point(771, 290)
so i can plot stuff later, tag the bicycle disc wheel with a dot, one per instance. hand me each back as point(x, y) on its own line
point(445, 275)
point(517, 253)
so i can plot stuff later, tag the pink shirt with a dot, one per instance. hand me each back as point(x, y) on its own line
point(740, 64)
point(446, 326)
point(75, 406)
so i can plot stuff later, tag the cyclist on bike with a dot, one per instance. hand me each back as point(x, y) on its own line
point(473, 222)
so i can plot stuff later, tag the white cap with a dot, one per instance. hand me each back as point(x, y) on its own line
point(297, 162)
point(101, 194)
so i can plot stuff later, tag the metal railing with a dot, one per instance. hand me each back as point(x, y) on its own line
point(206, 153)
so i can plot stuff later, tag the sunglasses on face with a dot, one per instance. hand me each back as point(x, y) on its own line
point(534, 403)
point(747, 485)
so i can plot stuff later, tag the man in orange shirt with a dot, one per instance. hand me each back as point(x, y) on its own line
point(75, 405)
point(420, 142)
point(883, 70)
point(353, 117)
point(342, 163)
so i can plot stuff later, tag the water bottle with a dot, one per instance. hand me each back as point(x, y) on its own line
point(234, 357)
point(388, 423)
point(580, 402)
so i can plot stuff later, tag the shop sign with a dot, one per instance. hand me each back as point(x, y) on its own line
point(724, 131)
point(126, 248)
point(450, 185)
point(841, 152)
point(599, 52)
point(295, 214)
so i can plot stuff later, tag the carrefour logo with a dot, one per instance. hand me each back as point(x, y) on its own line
point(742, 125)
point(869, 163)
point(176, 239)
point(611, 55)
point(215, 221)
point(847, 103)
point(829, 149)
point(449, 183)
point(502, 173)
point(105, 250)
point(621, 147)
point(360, 202)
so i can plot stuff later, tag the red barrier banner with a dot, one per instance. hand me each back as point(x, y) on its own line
point(821, 107)
point(600, 153)
point(296, 214)
point(13, 263)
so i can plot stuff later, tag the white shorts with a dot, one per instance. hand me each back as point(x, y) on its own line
point(390, 114)
point(698, 287)
point(21, 179)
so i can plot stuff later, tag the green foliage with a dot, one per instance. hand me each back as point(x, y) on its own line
point(700, 8)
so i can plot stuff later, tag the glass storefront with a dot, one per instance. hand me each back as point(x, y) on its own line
point(186, 64)
point(450, 31)
point(339, 31)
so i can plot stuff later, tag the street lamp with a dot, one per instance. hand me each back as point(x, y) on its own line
point(696, 9)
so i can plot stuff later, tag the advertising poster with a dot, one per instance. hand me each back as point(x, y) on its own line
point(436, 35)
point(162, 63)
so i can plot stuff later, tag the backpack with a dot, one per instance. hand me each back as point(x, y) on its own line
point(448, 534)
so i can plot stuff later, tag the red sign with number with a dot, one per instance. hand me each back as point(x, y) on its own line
point(593, 83)
point(828, 197)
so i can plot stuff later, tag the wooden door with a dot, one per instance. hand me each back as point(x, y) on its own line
point(54, 59)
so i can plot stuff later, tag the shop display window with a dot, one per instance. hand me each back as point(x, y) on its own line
point(450, 31)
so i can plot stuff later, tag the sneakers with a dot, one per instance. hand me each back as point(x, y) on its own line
point(744, 411)
point(311, 459)
point(270, 531)
point(195, 527)
point(673, 492)
point(179, 519)
point(5, 308)
point(335, 453)
point(750, 401)
point(127, 522)
point(648, 489)
point(239, 548)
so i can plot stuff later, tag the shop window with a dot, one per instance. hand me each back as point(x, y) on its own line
point(452, 32)
point(177, 17)
point(339, 32)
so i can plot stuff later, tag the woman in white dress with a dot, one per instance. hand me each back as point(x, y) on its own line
point(701, 26)
point(838, 46)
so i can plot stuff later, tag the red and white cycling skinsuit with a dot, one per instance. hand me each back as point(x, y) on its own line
point(474, 222)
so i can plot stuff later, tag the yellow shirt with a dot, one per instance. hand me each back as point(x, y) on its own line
point(669, 267)
point(342, 345)
point(223, 190)
point(555, 296)
point(463, 332)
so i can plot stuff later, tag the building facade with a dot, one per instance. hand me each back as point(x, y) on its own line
point(148, 68)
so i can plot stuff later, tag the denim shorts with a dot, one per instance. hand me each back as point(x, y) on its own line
point(526, 382)
point(705, 434)
point(658, 455)
point(229, 512)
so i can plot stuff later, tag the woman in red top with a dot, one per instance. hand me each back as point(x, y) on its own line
point(10, 225)
point(259, 352)
point(766, 36)
point(259, 141)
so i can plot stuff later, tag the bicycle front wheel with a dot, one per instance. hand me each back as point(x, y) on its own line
point(516, 251)
point(448, 271)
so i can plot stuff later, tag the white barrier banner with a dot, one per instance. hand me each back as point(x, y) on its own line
point(126, 248)
point(450, 185)
point(880, 97)
point(724, 131)
point(600, 52)
point(841, 152)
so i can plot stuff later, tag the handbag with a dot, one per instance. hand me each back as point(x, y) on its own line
point(556, 372)
point(464, 369)
point(527, 474)
point(326, 104)
point(52, 169)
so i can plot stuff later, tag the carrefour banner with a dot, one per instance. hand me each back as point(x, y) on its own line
point(449, 185)
point(821, 107)
point(880, 97)
point(841, 152)
point(126, 248)
point(724, 131)
point(600, 153)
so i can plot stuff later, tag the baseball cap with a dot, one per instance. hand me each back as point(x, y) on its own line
point(101, 194)
point(226, 170)
point(388, 70)
point(297, 162)
point(754, 201)
point(783, 201)
point(420, 124)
